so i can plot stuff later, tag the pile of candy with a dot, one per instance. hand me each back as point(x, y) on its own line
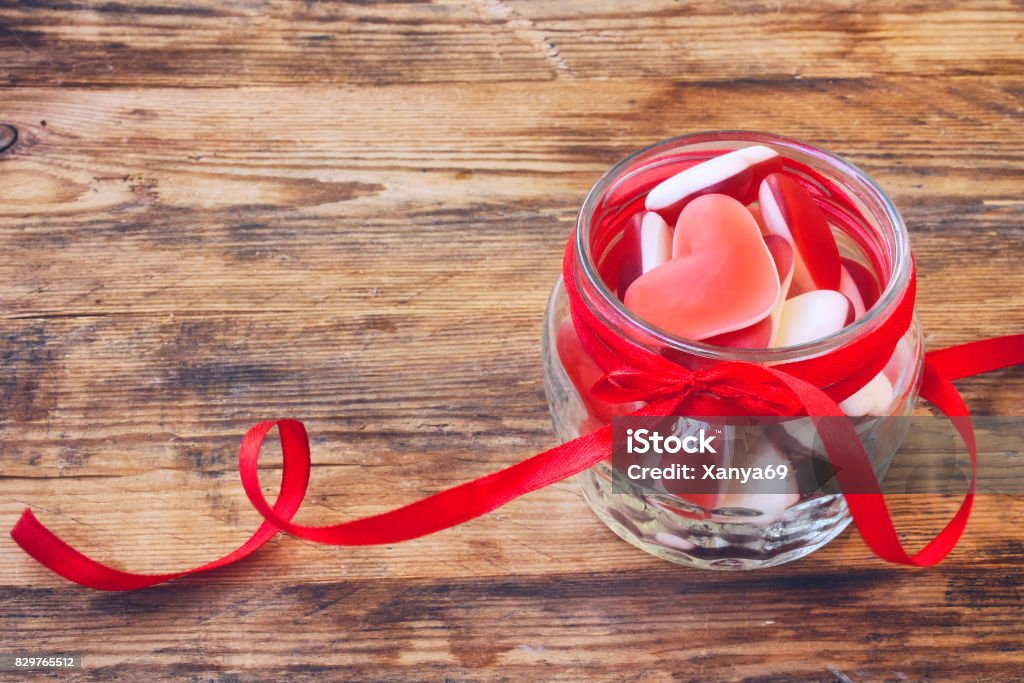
point(735, 252)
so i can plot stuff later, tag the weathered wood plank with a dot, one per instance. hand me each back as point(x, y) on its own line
point(280, 42)
point(84, 150)
point(804, 623)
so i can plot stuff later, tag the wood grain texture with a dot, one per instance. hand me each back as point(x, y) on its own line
point(351, 213)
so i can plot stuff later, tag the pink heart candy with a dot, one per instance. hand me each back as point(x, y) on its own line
point(721, 277)
point(788, 210)
point(760, 334)
point(736, 173)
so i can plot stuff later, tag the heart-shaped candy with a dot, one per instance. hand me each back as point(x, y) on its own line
point(645, 244)
point(864, 279)
point(721, 277)
point(874, 398)
point(849, 288)
point(812, 315)
point(768, 498)
point(755, 211)
point(655, 241)
point(625, 260)
point(756, 336)
point(788, 210)
point(784, 257)
point(736, 173)
point(760, 334)
point(583, 372)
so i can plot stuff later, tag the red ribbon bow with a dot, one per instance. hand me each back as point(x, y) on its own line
point(809, 387)
point(735, 384)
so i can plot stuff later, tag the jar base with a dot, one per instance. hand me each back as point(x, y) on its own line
point(703, 540)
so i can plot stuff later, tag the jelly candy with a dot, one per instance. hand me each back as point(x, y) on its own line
point(783, 256)
point(736, 173)
point(646, 243)
point(721, 278)
point(812, 315)
point(655, 241)
point(583, 372)
point(788, 210)
point(874, 398)
point(849, 288)
point(866, 283)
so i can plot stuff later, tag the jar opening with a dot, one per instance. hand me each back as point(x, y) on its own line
point(618, 194)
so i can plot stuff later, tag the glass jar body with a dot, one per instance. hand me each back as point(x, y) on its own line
point(724, 531)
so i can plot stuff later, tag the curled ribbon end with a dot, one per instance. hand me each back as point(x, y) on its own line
point(25, 529)
point(50, 551)
point(25, 518)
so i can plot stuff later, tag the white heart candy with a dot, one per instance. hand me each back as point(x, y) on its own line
point(655, 241)
point(714, 172)
point(874, 398)
point(810, 316)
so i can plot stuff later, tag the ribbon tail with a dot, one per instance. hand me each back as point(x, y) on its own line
point(450, 507)
point(442, 510)
point(869, 510)
point(977, 357)
point(59, 557)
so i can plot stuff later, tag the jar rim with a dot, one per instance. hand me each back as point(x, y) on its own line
point(850, 176)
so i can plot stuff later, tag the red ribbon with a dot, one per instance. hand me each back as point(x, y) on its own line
point(808, 387)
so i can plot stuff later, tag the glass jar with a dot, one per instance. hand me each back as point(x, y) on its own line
point(729, 531)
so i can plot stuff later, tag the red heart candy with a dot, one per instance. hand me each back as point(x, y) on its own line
point(867, 284)
point(721, 277)
point(849, 289)
point(626, 252)
point(646, 243)
point(788, 210)
point(784, 257)
point(583, 372)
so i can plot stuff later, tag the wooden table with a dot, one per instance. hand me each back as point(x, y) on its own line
point(217, 213)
